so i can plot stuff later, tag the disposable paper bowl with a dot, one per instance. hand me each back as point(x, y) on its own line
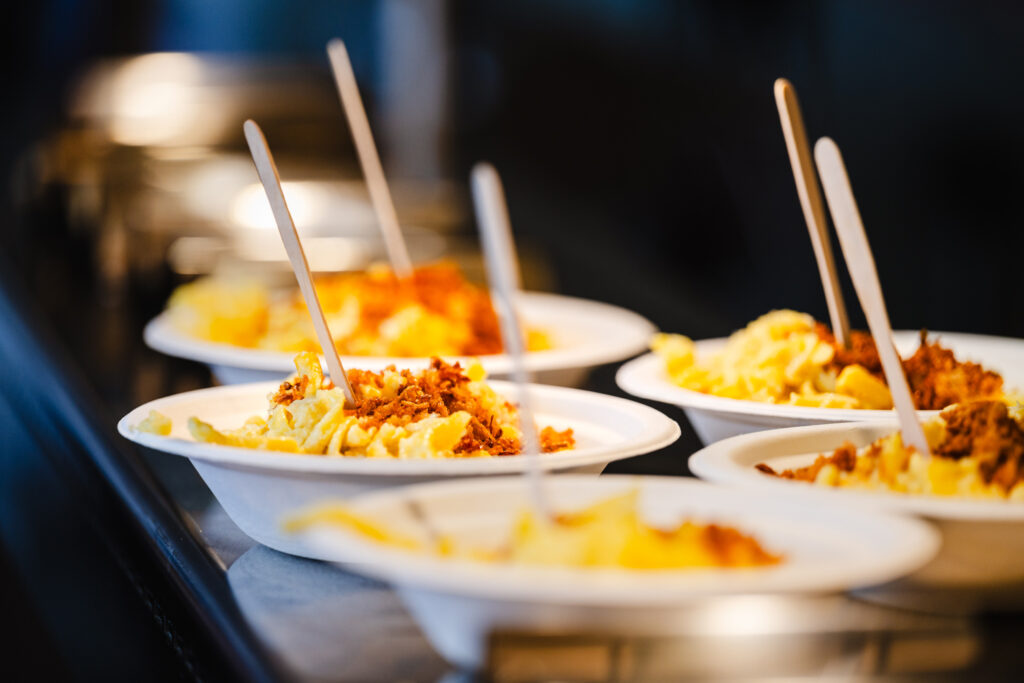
point(256, 487)
point(715, 418)
point(585, 334)
point(459, 603)
point(981, 564)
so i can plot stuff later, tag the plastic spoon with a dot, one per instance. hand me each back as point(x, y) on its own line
point(502, 274)
point(267, 170)
point(810, 200)
point(861, 265)
point(380, 195)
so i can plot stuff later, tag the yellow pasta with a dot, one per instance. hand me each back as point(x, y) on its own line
point(609, 533)
point(786, 357)
point(441, 412)
point(435, 312)
point(778, 358)
point(977, 452)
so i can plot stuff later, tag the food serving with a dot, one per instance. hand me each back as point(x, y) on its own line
point(460, 602)
point(444, 411)
point(258, 488)
point(977, 452)
point(786, 357)
point(434, 312)
point(608, 534)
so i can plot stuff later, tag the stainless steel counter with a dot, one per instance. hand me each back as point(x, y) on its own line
point(325, 623)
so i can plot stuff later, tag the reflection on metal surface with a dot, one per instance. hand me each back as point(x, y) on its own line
point(155, 99)
point(155, 175)
point(930, 647)
point(261, 254)
point(311, 204)
point(747, 615)
point(198, 255)
point(333, 625)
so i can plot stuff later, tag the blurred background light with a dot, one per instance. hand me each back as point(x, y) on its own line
point(155, 99)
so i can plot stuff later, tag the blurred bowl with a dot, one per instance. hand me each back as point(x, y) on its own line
point(257, 487)
point(459, 603)
point(585, 334)
point(981, 564)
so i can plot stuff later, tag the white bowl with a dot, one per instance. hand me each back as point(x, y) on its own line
point(981, 564)
point(459, 603)
point(715, 417)
point(257, 487)
point(585, 334)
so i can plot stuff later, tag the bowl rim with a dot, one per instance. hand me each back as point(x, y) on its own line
point(658, 431)
point(621, 587)
point(718, 463)
point(632, 334)
point(644, 377)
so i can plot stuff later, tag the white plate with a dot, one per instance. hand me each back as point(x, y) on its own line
point(715, 417)
point(459, 603)
point(585, 334)
point(257, 487)
point(981, 565)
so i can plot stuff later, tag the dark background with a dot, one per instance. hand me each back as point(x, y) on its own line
point(640, 144)
point(641, 151)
